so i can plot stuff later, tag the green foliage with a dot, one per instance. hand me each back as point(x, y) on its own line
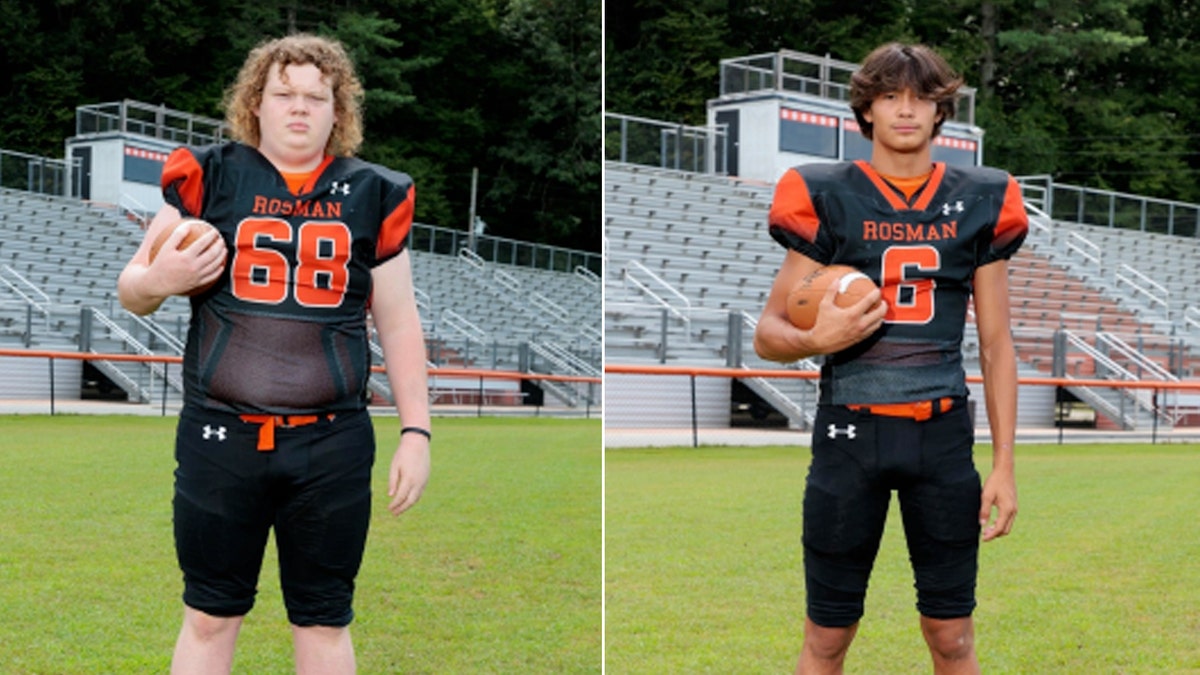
point(666, 66)
point(554, 138)
point(371, 45)
point(1102, 94)
point(496, 570)
point(847, 31)
point(511, 87)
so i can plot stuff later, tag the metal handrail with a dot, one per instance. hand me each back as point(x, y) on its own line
point(153, 121)
point(663, 142)
point(1111, 367)
point(587, 275)
point(791, 408)
point(138, 211)
point(423, 299)
point(501, 250)
point(1131, 276)
point(41, 307)
point(639, 267)
point(1083, 246)
point(1191, 316)
point(549, 307)
point(158, 331)
point(462, 325)
point(471, 258)
point(1120, 210)
point(1123, 348)
point(157, 369)
point(810, 74)
point(41, 175)
point(28, 284)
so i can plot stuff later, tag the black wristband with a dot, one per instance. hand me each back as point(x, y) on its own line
point(417, 430)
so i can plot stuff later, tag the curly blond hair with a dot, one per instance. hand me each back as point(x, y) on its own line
point(328, 55)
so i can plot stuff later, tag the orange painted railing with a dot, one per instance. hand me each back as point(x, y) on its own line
point(711, 371)
point(1156, 386)
point(433, 373)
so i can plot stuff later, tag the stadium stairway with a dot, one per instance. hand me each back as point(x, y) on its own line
point(685, 251)
point(60, 258)
point(690, 263)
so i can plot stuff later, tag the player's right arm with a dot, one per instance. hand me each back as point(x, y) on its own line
point(777, 339)
point(142, 286)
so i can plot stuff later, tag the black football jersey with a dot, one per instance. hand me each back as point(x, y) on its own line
point(285, 331)
point(922, 253)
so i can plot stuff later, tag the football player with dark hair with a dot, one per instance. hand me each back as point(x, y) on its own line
point(892, 412)
point(274, 433)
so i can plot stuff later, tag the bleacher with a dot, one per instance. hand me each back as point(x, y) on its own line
point(1167, 260)
point(496, 298)
point(60, 244)
point(686, 250)
point(60, 258)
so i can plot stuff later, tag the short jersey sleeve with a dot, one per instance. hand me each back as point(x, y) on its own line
point(183, 180)
point(794, 220)
point(1012, 225)
point(399, 199)
point(397, 220)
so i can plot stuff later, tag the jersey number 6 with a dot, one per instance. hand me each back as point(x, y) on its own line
point(263, 274)
point(909, 300)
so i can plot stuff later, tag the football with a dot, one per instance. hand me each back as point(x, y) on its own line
point(196, 229)
point(805, 299)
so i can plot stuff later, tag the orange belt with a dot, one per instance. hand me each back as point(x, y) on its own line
point(266, 430)
point(919, 411)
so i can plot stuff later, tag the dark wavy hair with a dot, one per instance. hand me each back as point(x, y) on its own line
point(895, 67)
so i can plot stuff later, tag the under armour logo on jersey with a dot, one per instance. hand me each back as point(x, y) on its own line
point(209, 432)
point(848, 432)
point(335, 187)
point(947, 208)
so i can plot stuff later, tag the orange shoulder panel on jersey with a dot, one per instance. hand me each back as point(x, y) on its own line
point(183, 174)
point(1013, 221)
point(792, 207)
point(395, 227)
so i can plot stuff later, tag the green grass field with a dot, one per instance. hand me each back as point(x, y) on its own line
point(1101, 575)
point(497, 570)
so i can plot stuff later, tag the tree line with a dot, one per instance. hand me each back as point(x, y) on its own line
point(1100, 93)
point(511, 87)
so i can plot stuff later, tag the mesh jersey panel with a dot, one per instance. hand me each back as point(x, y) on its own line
point(254, 362)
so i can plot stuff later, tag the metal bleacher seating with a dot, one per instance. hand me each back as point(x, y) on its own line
point(1167, 260)
point(60, 258)
point(470, 301)
point(689, 264)
point(685, 250)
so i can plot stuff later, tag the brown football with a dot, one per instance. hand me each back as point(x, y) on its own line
point(805, 299)
point(196, 229)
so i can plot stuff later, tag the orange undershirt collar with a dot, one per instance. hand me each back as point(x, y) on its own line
point(295, 181)
point(909, 184)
